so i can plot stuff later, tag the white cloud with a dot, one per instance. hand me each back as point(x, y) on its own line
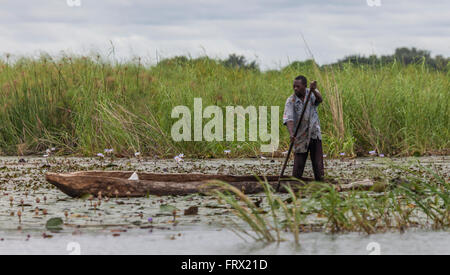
point(269, 31)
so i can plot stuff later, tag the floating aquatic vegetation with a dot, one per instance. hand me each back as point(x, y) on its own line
point(19, 214)
point(167, 208)
point(26, 181)
point(54, 224)
point(192, 210)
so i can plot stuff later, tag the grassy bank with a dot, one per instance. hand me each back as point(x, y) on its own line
point(82, 105)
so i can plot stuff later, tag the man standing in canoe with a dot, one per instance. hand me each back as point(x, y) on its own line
point(309, 137)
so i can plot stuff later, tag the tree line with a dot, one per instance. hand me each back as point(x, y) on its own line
point(405, 56)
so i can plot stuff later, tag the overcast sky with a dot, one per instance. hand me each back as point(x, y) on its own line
point(268, 31)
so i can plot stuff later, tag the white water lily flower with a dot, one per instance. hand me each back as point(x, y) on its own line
point(227, 151)
point(100, 155)
point(381, 155)
point(178, 159)
point(373, 152)
point(137, 154)
point(342, 154)
point(134, 176)
point(48, 151)
point(45, 156)
point(263, 157)
point(53, 149)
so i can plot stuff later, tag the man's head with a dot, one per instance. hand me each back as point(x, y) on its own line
point(300, 84)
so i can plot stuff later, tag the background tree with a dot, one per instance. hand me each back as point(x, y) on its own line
point(239, 62)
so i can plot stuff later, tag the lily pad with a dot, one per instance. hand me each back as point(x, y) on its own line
point(167, 208)
point(379, 187)
point(193, 210)
point(137, 223)
point(54, 224)
point(85, 196)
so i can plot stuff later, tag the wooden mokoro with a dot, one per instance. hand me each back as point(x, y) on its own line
point(117, 184)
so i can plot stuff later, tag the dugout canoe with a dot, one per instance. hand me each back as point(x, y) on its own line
point(118, 184)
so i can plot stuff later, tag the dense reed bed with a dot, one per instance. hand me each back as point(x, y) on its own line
point(82, 105)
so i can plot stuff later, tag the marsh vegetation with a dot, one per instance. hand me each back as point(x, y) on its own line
point(83, 104)
point(417, 196)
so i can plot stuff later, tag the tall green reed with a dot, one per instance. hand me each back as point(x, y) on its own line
point(82, 104)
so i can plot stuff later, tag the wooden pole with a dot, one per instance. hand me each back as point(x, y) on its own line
point(292, 143)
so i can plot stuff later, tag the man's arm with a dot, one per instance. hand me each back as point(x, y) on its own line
point(290, 126)
point(313, 88)
point(288, 117)
point(318, 96)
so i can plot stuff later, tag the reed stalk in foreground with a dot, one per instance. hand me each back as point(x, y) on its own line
point(420, 200)
point(244, 208)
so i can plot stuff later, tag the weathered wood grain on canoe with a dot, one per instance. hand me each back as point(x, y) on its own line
point(117, 184)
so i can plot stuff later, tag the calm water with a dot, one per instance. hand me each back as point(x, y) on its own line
point(210, 240)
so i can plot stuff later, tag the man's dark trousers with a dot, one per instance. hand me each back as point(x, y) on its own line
point(316, 154)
